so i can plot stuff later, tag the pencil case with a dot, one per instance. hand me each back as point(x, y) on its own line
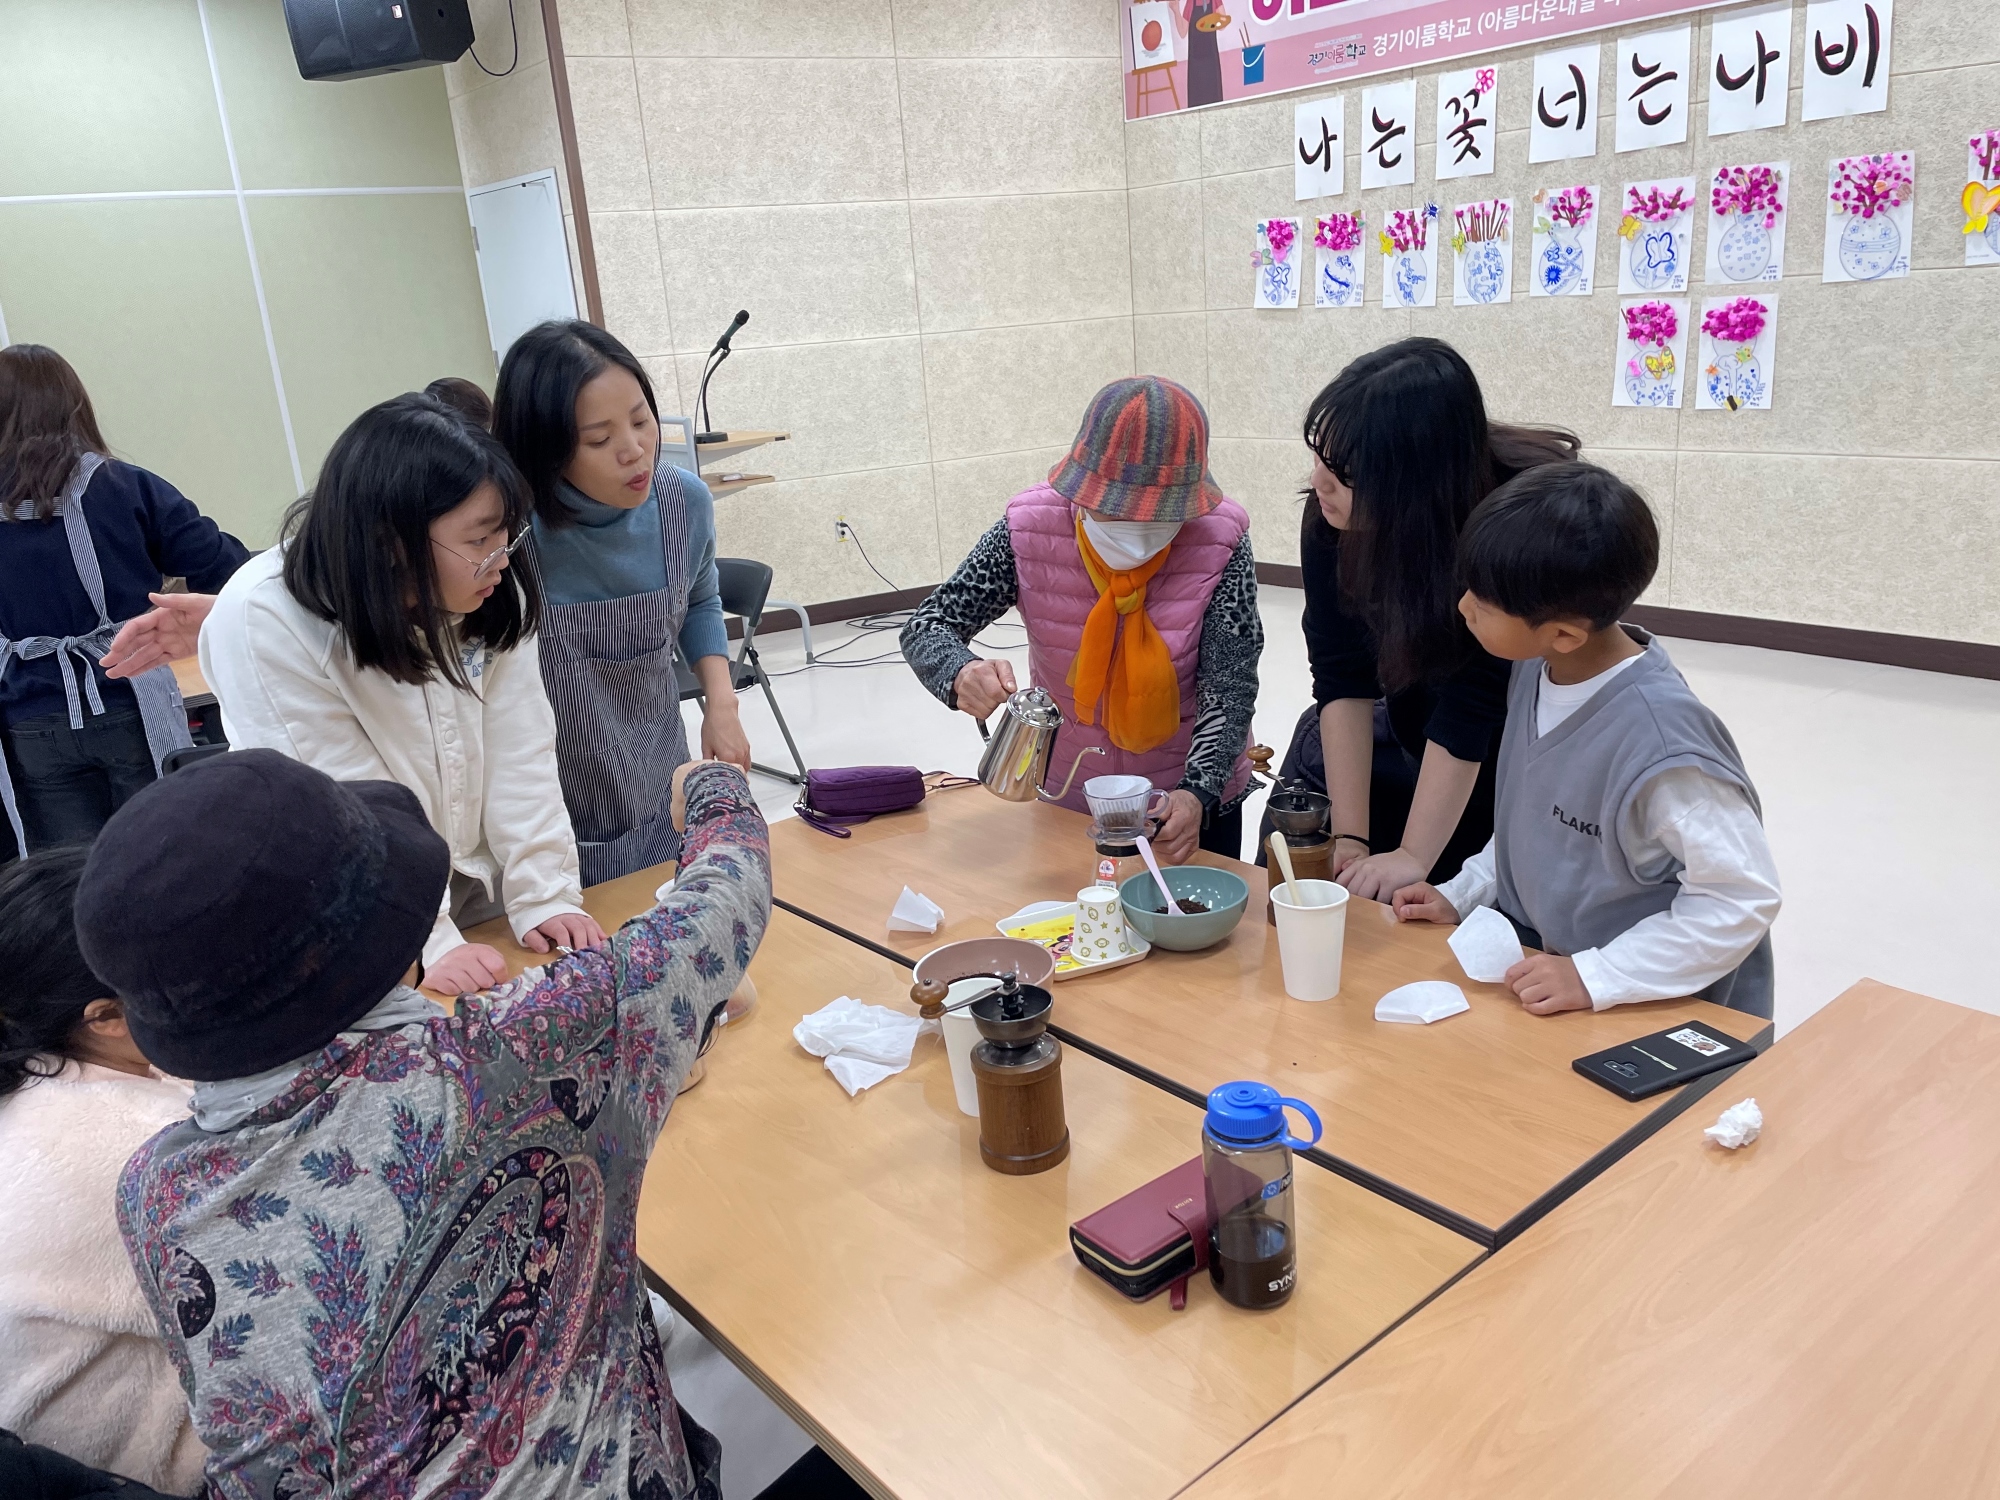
point(1152, 1239)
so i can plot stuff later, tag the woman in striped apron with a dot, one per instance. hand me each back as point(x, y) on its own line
point(625, 544)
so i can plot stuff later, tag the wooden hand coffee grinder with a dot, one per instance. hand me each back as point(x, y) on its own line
point(1018, 1067)
point(1301, 816)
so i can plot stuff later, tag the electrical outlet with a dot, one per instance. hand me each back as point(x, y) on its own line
point(840, 528)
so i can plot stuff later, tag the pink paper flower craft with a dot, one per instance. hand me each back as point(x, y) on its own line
point(1985, 149)
point(1572, 206)
point(1749, 191)
point(1869, 185)
point(1483, 80)
point(1408, 231)
point(1737, 321)
point(1481, 221)
point(1279, 234)
point(1652, 323)
point(1655, 207)
point(1338, 232)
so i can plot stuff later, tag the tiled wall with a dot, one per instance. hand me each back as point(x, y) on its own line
point(948, 239)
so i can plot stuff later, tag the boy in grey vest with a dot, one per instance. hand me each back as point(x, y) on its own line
point(1628, 842)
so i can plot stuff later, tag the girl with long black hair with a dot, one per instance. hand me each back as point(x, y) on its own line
point(1407, 708)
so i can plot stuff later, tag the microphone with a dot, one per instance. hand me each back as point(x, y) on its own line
point(716, 356)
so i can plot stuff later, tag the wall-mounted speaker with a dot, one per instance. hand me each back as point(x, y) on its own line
point(360, 38)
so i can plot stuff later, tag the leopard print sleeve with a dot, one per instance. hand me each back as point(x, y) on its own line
point(1232, 639)
point(982, 590)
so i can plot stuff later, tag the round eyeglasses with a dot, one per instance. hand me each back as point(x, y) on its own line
point(491, 562)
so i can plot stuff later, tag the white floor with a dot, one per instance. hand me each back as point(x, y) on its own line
point(1876, 782)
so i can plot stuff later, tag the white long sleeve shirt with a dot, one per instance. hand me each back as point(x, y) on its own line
point(483, 764)
point(1682, 819)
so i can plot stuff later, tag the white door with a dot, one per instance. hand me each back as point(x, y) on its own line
point(517, 232)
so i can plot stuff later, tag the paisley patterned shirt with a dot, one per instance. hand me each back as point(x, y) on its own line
point(413, 1274)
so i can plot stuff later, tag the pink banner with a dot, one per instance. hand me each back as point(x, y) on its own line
point(1184, 54)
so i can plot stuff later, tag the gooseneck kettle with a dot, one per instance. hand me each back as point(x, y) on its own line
point(1016, 758)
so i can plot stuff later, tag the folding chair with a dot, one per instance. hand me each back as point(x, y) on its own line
point(746, 587)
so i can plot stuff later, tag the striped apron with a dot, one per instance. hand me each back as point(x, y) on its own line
point(160, 706)
point(609, 670)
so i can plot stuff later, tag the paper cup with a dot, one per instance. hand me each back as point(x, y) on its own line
point(1310, 938)
point(961, 1035)
point(1100, 926)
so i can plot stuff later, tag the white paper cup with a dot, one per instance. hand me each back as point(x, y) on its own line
point(961, 1035)
point(1100, 926)
point(1311, 937)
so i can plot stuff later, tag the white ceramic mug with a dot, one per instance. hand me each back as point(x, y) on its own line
point(1310, 938)
point(1100, 926)
point(961, 1035)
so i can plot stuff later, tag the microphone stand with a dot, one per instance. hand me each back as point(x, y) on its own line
point(715, 359)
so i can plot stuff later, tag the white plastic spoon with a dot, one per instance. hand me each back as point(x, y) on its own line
point(1283, 855)
point(1146, 853)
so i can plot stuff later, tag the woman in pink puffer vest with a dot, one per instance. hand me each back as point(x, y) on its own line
point(1135, 580)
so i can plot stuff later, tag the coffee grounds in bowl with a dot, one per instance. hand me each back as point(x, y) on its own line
point(1189, 907)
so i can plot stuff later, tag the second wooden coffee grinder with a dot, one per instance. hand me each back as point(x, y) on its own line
point(1018, 1068)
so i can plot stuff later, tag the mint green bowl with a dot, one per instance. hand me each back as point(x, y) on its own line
point(1225, 895)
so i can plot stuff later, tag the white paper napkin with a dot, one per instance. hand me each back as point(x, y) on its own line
point(1739, 1125)
point(915, 912)
point(1421, 1003)
point(862, 1044)
point(1486, 945)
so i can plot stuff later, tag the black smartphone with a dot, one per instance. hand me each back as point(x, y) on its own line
point(1666, 1059)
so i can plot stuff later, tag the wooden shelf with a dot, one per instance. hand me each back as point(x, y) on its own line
point(737, 442)
point(729, 484)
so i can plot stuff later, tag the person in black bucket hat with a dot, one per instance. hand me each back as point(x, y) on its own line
point(394, 1248)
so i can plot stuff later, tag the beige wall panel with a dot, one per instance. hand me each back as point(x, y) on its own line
point(151, 301)
point(981, 28)
point(1230, 209)
point(1040, 258)
point(507, 128)
point(1165, 148)
point(1266, 477)
point(761, 28)
point(1873, 544)
point(1001, 389)
point(389, 131)
point(972, 493)
point(1174, 345)
point(1012, 125)
point(493, 41)
point(118, 102)
point(809, 274)
point(858, 404)
point(595, 28)
point(610, 140)
point(1264, 367)
point(1650, 471)
point(1254, 136)
point(1168, 274)
point(799, 130)
point(790, 526)
point(629, 281)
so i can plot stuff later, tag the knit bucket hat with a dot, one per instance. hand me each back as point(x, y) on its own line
point(1140, 455)
point(249, 909)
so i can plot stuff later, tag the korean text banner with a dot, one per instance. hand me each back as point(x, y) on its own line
point(1183, 54)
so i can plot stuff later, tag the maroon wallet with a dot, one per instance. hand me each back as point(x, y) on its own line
point(1154, 1237)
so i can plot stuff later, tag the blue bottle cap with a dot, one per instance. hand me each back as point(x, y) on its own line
point(1251, 1114)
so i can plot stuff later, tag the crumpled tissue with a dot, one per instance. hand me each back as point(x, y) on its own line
point(862, 1044)
point(1739, 1125)
point(1421, 1003)
point(915, 912)
point(1486, 945)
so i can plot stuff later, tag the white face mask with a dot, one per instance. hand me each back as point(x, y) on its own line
point(1126, 545)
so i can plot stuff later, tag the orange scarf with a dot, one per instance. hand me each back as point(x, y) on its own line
point(1130, 670)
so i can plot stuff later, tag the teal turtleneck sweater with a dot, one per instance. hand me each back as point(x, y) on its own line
point(612, 554)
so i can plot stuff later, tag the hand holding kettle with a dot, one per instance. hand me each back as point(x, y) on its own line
point(982, 686)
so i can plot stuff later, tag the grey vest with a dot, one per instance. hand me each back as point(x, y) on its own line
point(1562, 797)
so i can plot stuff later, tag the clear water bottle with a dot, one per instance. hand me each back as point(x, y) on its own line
point(1246, 1158)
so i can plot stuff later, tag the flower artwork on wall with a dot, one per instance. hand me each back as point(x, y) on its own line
point(1870, 203)
point(1746, 223)
point(1739, 338)
point(1981, 199)
point(1342, 268)
point(1653, 236)
point(1484, 258)
point(1409, 257)
point(1276, 263)
point(1562, 259)
point(1652, 339)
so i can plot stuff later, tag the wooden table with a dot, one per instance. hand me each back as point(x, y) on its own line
point(195, 691)
point(1477, 1121)
point(1813, 1315)
point(924, 1317)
